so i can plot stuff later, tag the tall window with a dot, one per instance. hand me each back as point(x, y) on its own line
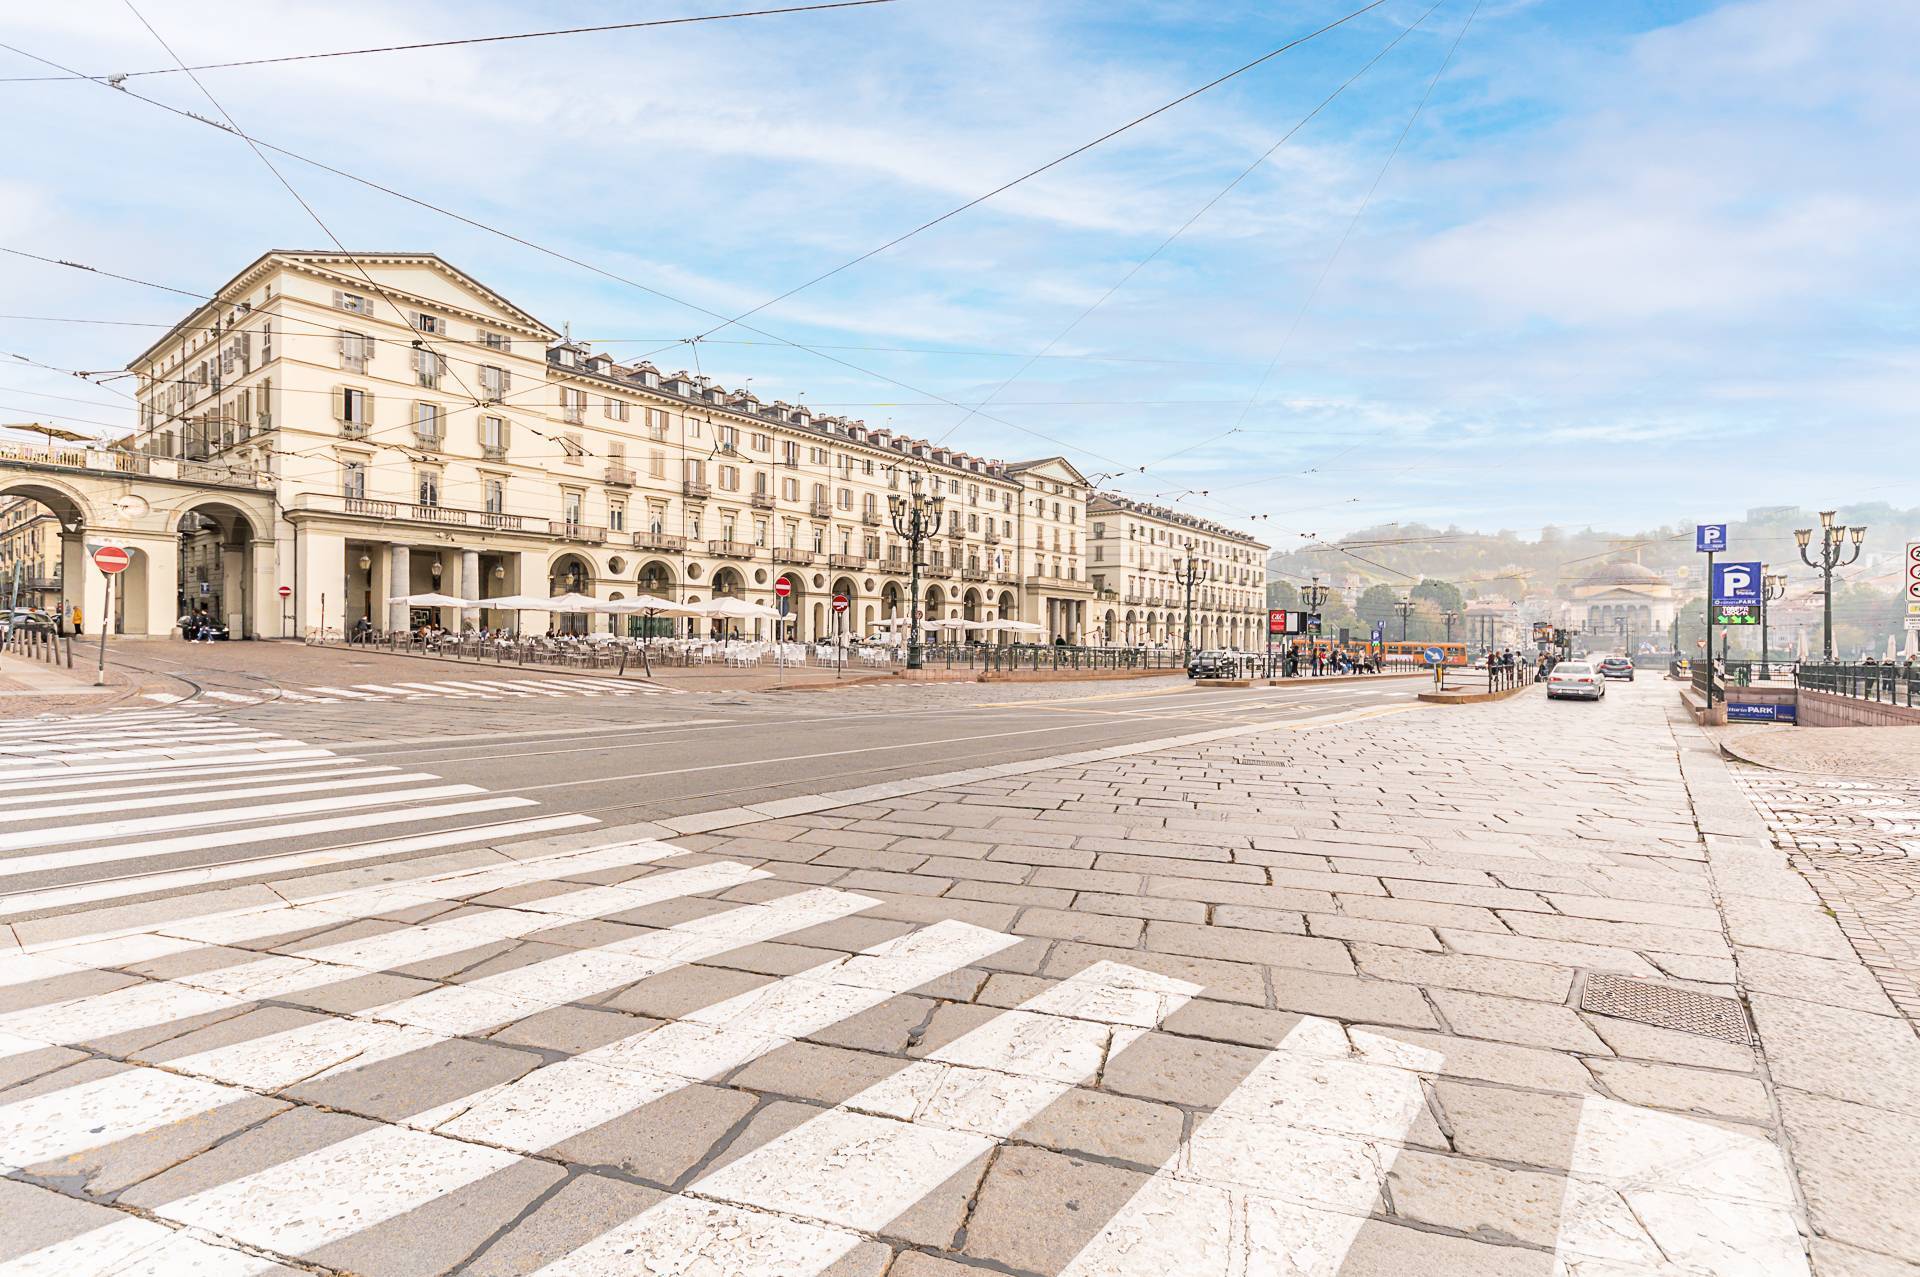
point(428, 368)
point(355, 406)
point(496, 496)
point(353, 479)
point(494, 382)
point(426, 425)
point(427, 487)
point(355, 350)
point(570, 504)
point(616, 516)
point(493, 436)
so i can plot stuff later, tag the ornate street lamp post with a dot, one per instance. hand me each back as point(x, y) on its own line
point(1186, 570)
point(1773, 586)
point(916, 518)
point(1833, 538)
point(1404, 606)
point(1450, 617)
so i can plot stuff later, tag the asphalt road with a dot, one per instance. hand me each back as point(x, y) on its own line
point(165, 798)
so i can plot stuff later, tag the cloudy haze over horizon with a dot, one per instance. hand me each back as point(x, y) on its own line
point(1633, 264)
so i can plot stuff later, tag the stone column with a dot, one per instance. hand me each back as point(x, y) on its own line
point(470, 586)
point(399, 583)
point(233, 589)
point(320, 581)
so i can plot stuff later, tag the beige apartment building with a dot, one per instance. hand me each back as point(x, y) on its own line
point(308, 433)
point(29, 555)
point(1140, 558)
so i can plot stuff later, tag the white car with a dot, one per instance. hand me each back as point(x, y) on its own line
point(1580, 680)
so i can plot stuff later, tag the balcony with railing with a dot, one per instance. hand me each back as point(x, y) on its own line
point(695, 488)
point(353, 430)
point(990, 536)
point(793, 554)
point(658, 541)
point(429, 440)
point(971, 573)
point(726, 549)
point(493, 452)
point(820, 509)
point(568, 530)
point(870, 517)
point(412, 512)
point(619, 475)
point(851, 562)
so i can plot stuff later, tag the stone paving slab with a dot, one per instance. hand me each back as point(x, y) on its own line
point(1306, 999)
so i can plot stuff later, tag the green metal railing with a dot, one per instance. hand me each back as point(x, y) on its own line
point(1889, 684)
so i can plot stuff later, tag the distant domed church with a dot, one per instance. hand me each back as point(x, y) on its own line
point(1629, 591)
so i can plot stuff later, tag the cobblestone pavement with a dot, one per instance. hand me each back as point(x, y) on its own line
point(1295, 1000)
point(1889, 753)
point(1858, 842)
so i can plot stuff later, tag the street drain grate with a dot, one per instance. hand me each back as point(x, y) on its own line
point(1666, 1007)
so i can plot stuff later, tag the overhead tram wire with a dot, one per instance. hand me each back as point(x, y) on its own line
point(419, 338)
point(558, 255)
point(1346, 234)
point(326, 330)
point(448, 44)
point(1055, 162)
point(1197, 214)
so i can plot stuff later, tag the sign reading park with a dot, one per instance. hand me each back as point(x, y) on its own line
point(1736, 614)
point(1737, 583)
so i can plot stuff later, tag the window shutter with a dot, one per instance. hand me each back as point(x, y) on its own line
point(339, 300)
point(506, 432)
point(344, 339)
point(339, 397)
point(506, 381)
point(366, 407)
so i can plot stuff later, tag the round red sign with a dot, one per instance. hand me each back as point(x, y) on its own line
point(286, 591)
point(839, 602)
point(111, 559)
point(783, 587)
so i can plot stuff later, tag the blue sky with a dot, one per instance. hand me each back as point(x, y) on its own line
point(1634, 263)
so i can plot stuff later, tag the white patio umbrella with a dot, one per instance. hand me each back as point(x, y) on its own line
point(430, 600)
point(1020, 627)
point(655, 604)
point(514, 603)
point(1913, 645)
point(575, 603)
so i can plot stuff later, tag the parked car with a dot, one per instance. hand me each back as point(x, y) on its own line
point(1616, 667)
point(21, 618)
point(199, 628)
point(1576, 679)
point(1216, 662)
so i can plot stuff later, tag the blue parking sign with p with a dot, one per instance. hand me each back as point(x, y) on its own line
point(1736, 583)
point(1710, 538)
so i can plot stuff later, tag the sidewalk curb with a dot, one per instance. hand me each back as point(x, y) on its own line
point(1807, 1049)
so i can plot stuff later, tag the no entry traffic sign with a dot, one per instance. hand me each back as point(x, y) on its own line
point(839, 602)
point(783, 587)
point(286, 591)
point(110, 559)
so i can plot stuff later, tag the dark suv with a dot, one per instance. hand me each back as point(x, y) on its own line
point(1617, 667)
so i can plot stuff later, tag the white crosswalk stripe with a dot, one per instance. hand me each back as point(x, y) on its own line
point(94, 810)
point(1279, 1179)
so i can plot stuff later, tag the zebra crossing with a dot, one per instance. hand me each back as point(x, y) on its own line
point(227, 1029)
point(101, 807)
point(525, 688)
